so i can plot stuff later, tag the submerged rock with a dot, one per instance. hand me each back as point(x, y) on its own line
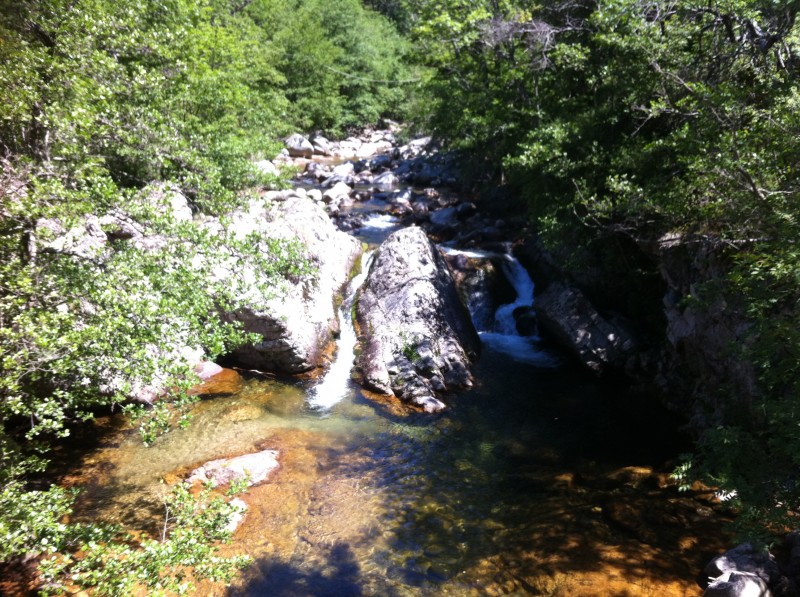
point(254, 468)
point(418, 339)
point(224, 382)
point(238, 516)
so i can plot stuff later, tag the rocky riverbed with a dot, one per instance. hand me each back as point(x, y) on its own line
point(534, 478)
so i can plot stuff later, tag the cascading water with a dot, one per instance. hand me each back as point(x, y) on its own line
point(336, 384)
point(502, 336)
point(504, 322)
point(376, 228)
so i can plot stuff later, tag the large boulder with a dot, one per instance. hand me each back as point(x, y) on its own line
point(742, 571)
point(737, 584)
point(418, 339)
point(296, 323)
point(569, 317)
point(298, 146)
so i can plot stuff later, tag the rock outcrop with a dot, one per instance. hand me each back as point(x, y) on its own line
point(418, 339)
point(297, 323)
point(568, 317)
point(701, 326)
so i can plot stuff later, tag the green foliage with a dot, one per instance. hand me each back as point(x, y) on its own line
point(118, 564)
point(238, 485)
point(409, 346)
point(109, 111)
point(344, 65)
point(631, 119)
point(32, 520)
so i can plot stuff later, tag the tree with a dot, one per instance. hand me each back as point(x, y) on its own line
point(629, 119)
point(105, 103)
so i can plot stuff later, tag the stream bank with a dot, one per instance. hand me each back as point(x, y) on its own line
point(538, 480)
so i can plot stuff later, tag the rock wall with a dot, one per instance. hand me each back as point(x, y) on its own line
point(685, 346)
point(704, 327)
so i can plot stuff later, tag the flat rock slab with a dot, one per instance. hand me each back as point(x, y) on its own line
point(255, 468)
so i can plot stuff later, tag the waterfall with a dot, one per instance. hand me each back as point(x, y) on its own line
point(504, 322)
point(503, 336)
point(336, 382)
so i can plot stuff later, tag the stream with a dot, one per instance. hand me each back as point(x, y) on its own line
point(538, 481)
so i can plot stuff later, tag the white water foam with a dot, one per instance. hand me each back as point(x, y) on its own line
point(523, 349)
point(503, 336)
point(381, 221)
point(468, 253)
point(335, 384)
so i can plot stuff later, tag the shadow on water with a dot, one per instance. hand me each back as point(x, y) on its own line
point(536, 482)
point(340, 577)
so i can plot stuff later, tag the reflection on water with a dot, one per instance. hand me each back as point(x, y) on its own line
point(538, 481)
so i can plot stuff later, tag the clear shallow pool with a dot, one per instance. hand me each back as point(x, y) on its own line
point(539, 481)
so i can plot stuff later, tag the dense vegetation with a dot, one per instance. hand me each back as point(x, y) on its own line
point(633, 120)
point(112, 112)
point(609, 119)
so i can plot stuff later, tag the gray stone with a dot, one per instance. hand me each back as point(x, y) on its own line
point(297, 323)
point(568, 316)
point(744, 558)
point(205, 370)
point(267, 167)
point(238, 516)
point(380, 162)
point(408, 313)
point(444, 217)
point(255, 468)
point(322, 146)
point(336, 193)
point(345, 169)
point(386, 180)
point(86, 240)
point(298, 146)
point(737, 584)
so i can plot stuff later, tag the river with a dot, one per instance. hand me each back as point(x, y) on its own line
point(540, 480)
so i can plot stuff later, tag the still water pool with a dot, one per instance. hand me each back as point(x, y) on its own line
point(538, 481)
